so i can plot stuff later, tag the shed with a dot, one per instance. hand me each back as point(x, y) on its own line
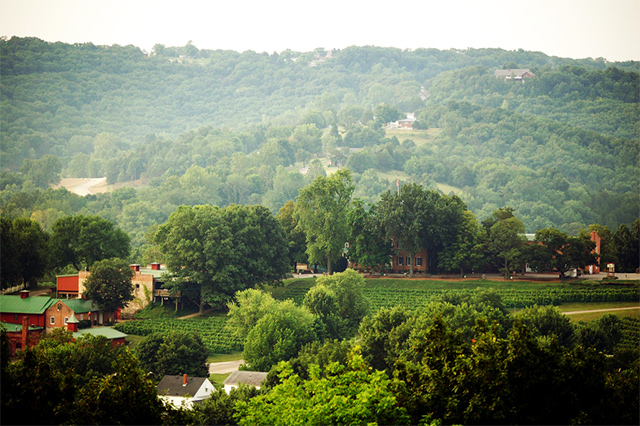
point(249, 378)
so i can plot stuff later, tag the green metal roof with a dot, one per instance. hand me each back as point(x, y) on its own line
point(29, 305)
point(17, 327)
point(107, 332)
point(80, 306)
point(155, 272)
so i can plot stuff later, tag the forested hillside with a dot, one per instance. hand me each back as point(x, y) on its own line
point(192, 126)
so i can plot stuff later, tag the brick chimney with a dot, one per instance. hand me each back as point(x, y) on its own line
point(135, 267)
point(24, 294)
point(25, 331)
point(184, 380)
point(155, 266)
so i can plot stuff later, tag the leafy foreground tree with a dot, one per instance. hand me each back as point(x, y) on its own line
point(173, 353)
point(338, 302)
point(517, 379)
point(84, 382)
point(109, 284)
point(344, 395)
point(248, 308)
point(278, 336)
point(221, 407)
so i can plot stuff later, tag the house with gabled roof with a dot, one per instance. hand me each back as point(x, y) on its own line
point(14, 308)
point(518, 74)
point(184, 391)
point(249, 378)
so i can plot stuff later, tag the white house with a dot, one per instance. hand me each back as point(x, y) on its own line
point(184, 391)
point(250, 378)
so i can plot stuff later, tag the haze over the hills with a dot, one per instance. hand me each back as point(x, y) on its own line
point(567, 28)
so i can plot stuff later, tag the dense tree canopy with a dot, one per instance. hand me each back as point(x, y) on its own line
point(109, 284)
point(23, 251)
point(211, 252)
point(83, 240)
point(174, 353)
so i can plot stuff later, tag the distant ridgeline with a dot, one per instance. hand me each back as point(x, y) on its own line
point(197, 126)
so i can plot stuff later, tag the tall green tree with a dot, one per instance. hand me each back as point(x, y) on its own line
point(627, 247)
point(507, 243)
point(195, 242)
point(83, 240)
point(417, 219)
point(560, 252)
point(211, 253)
point(369, 246)
point(295, 237)
point(466, 251)
point(23, 251)
point(321, 210)
point(109, 284)
point(44, 171)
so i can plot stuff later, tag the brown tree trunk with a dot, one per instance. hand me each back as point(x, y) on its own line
point(411, 262)
point(328, 264)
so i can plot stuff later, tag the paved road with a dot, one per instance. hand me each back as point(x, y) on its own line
point(601, 310)
point(224, 367)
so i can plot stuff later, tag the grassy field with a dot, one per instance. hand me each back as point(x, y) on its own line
point(217, 380)
point(233, 356)
point(590, 316)
point(419, 137)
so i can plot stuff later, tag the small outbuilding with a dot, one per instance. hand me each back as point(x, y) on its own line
point(249, 378)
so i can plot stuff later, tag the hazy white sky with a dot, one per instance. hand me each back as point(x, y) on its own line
point(567, 28)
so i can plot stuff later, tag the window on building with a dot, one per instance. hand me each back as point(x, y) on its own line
point(408, 261)
point(400, 260)
point(137, 285)
point(15, 317)
point(52, 320)
point(66, 320)
point(418, 261)
point(81, 317)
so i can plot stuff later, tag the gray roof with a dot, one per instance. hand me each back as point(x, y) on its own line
point(252, 378)
point(108, 332)
point(173, 386)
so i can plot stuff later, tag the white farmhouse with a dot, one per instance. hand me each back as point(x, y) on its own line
point(184, 391)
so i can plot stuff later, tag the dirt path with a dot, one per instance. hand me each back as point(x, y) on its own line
point(601, 310)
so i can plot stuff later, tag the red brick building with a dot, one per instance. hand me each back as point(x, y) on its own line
point(146, 282)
